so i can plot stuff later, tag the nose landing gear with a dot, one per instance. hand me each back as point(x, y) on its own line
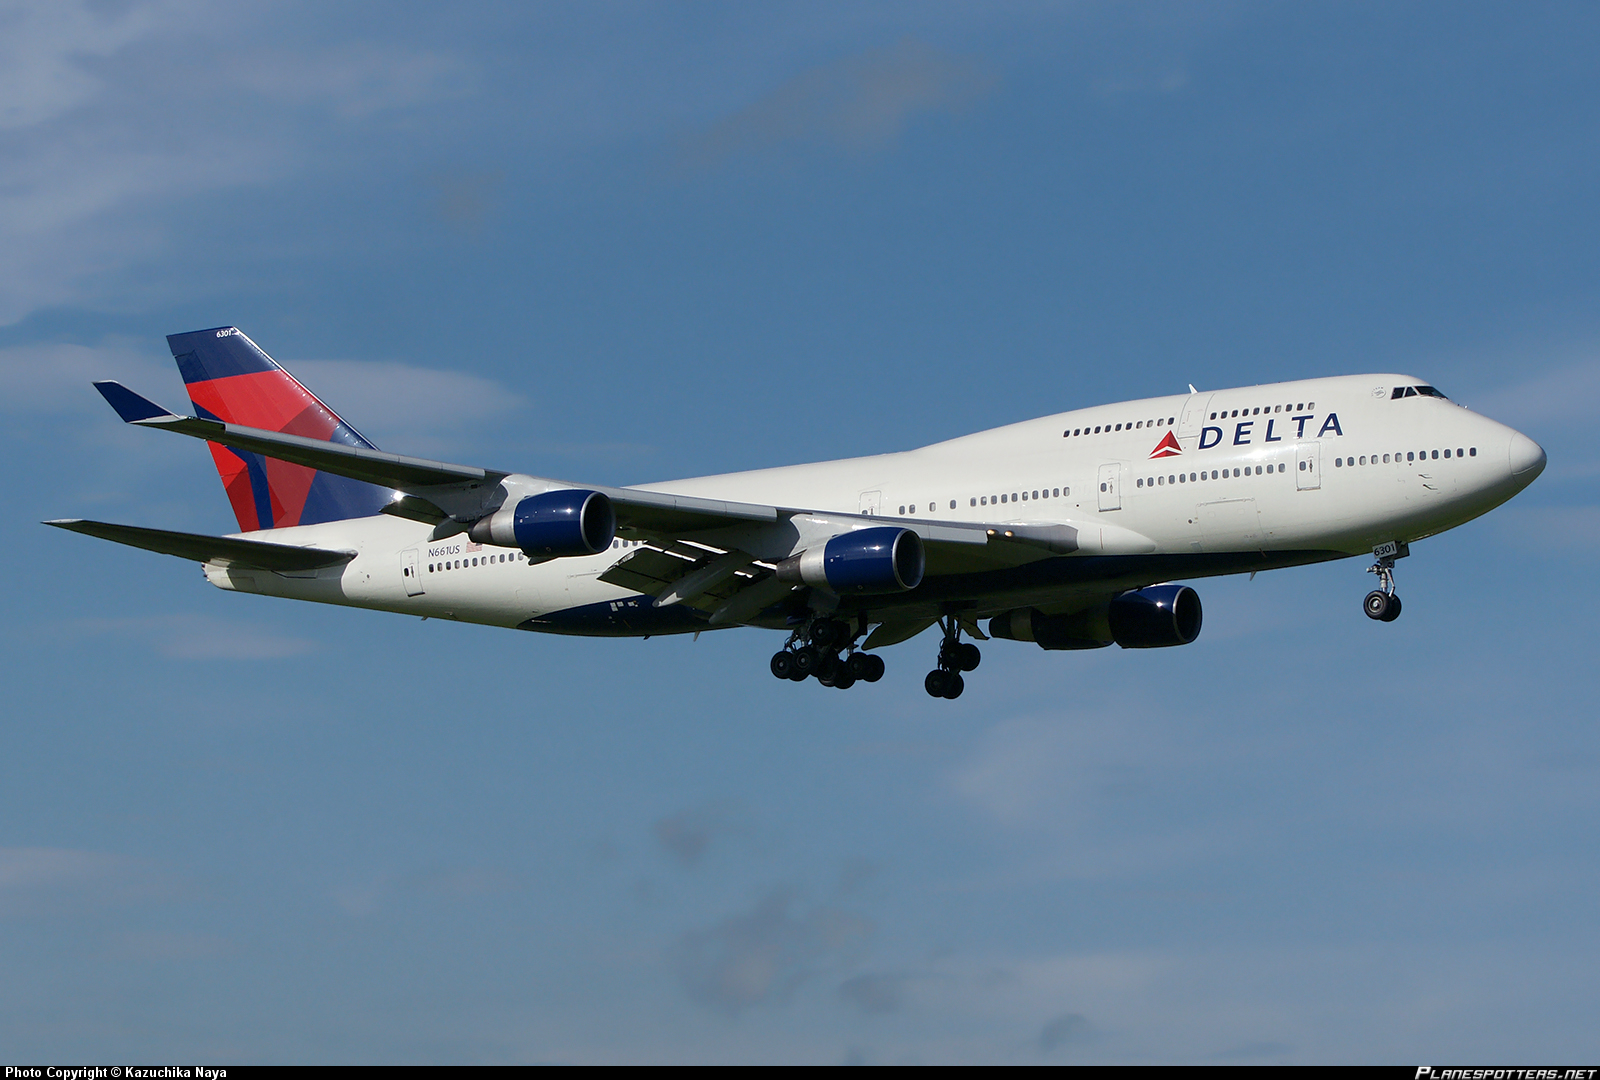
point(955, 656)
point(1383, 603)
point(826, 648)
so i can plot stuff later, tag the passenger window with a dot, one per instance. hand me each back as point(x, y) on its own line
point(1213, 416)
point(902, 510)
point(1141, 481)
point(1447, 455)
point(1458, 451)
point(1474, 451)
point(1258, 470)
point(974, 502)
point(1338, 463)
point(952, 504)
point(1035, 494)
point(1138, 425)
point(1436, 455)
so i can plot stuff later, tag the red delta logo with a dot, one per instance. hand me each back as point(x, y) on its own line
point(1167, 447)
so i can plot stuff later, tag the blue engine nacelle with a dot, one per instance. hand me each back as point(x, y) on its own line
point(553, 525)
point(1149, 618)
point(878, 560)
point(1155, 617)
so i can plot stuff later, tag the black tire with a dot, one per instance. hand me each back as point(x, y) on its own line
point(968, 657)
point(1394, 608)
point(828, 666)
point(844, 680)
point(1376, 605)
point(859, 665)
point(877, 668)
point(953, 685)
point(805, 662)
point(935, 682)
point(796, 675)
point(782, 664)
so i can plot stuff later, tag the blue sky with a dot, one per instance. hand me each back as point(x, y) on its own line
point(630, 242)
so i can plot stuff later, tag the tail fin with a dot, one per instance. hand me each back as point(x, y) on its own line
point(230, 379)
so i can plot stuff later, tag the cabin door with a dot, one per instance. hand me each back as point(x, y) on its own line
point(1111, 486)
point(1308, 465)
point(408, 570)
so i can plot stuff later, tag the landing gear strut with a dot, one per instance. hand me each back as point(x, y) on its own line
point(955, 656)
point(826, 647)
point(1383, 603)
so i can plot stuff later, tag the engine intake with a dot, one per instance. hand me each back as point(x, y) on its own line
point(877, 560)
point(554, 524)
point(1156, 617)
point(1151, 618)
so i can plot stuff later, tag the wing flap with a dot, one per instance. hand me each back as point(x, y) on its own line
point(222, 550)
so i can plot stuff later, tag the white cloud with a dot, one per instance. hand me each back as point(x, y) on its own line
point(1574, 529)
point(359, 80)
point(1563, 393)
point(862, 102)
point(41, 880)
point(391, 401)
point(57, 377)
point(43, 46)
point(200, 637)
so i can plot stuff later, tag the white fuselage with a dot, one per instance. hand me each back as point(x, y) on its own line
point(1290, 472)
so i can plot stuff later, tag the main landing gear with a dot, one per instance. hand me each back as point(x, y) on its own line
point(1383, 603)
point(955, 656)
point(826, 648)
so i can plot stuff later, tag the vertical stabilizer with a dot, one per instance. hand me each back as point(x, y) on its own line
point(230, 379)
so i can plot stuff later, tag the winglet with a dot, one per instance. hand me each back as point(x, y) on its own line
point(130, 406)
point(1192, 390)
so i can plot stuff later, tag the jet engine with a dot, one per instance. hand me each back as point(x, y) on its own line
point(1149, 618)
point(551, 525)
point(878, 560)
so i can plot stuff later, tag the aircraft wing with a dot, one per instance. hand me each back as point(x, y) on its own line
point(450, 487)
point(223, 550)
point(452, 496)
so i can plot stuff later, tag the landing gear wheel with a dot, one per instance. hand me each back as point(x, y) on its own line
point(1394, 608)
point(783, 664)
point(936, 682)
point(877, 669)
point(859, 665)
point(953, 685)
point(844, 680)
point(804, 663)
point(1377, 605)
point(968, 656)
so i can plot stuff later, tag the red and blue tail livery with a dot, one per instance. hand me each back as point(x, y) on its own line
point(231, 379)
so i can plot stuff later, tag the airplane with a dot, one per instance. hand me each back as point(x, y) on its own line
point(850, 556)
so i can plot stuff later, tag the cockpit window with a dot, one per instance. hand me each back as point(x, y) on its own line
point(1416, 391)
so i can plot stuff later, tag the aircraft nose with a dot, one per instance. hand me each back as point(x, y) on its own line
point(1527, 458)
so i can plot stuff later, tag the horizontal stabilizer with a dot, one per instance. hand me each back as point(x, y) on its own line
point(223, 550)
point(130, 406)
